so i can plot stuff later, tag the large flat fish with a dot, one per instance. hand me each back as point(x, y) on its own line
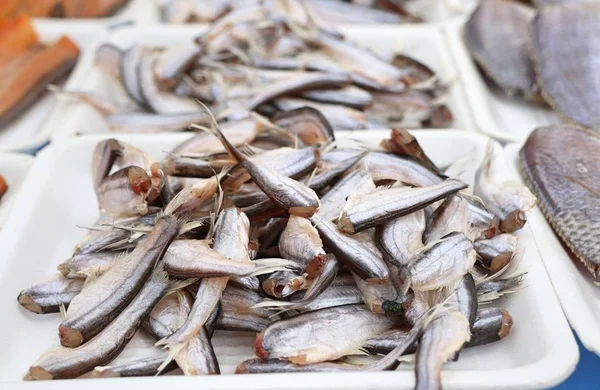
point(566, 51)
point(496, 36)
point(560, 165)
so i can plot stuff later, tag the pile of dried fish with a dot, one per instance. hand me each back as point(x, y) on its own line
point(547, 54)
point(3, 186)
point(568, 187)
point(267, 61)
point(325, 11)
point(61, 8)
point(27, 65)
point(324, 250)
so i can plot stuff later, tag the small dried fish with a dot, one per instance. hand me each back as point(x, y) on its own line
point(303, 339)
point(306, 124)
point(442, 263)
point(124, 192)
point(73, 362)
point(300, 241)
point(354, 254)
point(287, 193)
point(508, 199)
point(48, 295)
point(400, 238)
point(383, 205)
point(139, 367)
point(495, 253)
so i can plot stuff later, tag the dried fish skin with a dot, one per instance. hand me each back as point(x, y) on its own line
point(560, 165)
point(566, 42)
point(496, 35)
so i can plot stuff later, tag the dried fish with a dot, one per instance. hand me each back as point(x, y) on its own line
point(383, 205)
point(300, 241)
point(495, 35)
point(567, 186)
point(571, 52)
point(400, 238)
point(73, 362)
point(48, 295)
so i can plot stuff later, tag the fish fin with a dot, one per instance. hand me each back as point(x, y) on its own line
point(63, 311)
point(216, 131)
point(174, 350)
point(179, 284)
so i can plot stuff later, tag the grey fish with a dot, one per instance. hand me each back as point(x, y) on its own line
point(239, 311)
point(138, 367)
point(230, 240)
point(290, 195)
point(442, 338)
point(495, 253)
point(124, 192)
point(331, 165)
point(387, 166)
point(506, 198)
point(568, 187)
point(574, 96)
point(309, 337)
point(350, 251)
point(47, 296)
point(144, 122)
point(102, 301)
point(72, 362)
point(404, 143)
point(175, 60)
point(451, 216)
point(496, 37)
point(196, 259)
point(464, 297)
point(400, 238)
point(350, 96)
point(339, 117)
point(130, 60)
point(307, 124)
point(491, 325)
point(356, 182)
point(161, 102)
point(442, 263)
point(283, 283)
point(300, 241)
point(383, 205)
point(83, 265)
point(103, 157)
point(197, 357)
point(307, 81)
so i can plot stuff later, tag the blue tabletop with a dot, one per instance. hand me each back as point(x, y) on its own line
point(586, 374)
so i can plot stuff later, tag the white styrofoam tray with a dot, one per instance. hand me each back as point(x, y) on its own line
point(14, 168)
point(573, 283)
point(495, 113)
point(424, 43)
point(138, 11)
point(28, 131)
point(58, 196)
